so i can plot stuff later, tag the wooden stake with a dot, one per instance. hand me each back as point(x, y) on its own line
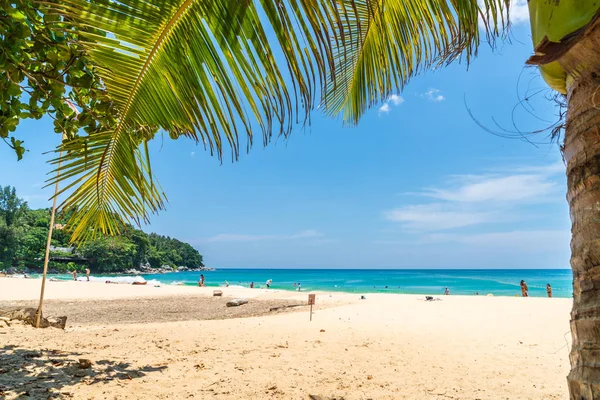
point(38, 315)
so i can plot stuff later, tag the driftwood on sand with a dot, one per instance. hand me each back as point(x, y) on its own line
point(237, 302)
point(286, 306)
point(27, 315)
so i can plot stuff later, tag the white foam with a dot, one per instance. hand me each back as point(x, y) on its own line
point(117, 279)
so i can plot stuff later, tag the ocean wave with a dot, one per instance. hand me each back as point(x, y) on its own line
point(120, 279)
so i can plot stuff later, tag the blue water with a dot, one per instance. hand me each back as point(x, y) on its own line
point(432, 282)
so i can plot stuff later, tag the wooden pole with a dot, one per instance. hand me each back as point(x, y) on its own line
point(38, 315)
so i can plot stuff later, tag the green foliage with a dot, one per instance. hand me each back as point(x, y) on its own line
point(11, 207)
point(23, 244)
point(109, 254)
point(172, 252)
point(44, 71)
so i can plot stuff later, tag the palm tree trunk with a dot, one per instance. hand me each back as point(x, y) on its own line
point(582, 154)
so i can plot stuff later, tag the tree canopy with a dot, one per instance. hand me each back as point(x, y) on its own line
point(23, 235)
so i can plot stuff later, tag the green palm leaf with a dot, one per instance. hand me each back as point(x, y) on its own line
point(204, 69)
point(208, 70)
point(389, 41)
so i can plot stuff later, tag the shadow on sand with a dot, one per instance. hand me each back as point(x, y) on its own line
point(26, 373)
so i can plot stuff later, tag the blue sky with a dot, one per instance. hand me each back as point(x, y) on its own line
point(418, 184)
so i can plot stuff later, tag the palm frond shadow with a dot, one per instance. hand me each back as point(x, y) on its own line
point(52, 373)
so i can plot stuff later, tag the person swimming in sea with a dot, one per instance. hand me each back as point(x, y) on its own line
point(524, 289)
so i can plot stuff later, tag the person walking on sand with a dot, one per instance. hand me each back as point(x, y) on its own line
point(447, 292)
point(201, 281)
point(524, 289)
point(549, 290)
point(251, 285)
point(87, 274)
point(226, 284)
point(268, 283)
point(74, 274)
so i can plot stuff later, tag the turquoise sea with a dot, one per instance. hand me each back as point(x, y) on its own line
point(431, 282)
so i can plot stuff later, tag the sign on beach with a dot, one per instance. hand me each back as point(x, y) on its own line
point(311, 302)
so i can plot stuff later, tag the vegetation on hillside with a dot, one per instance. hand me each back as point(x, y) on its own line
point(23, 235)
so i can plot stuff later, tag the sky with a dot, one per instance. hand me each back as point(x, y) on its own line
point(417, 184)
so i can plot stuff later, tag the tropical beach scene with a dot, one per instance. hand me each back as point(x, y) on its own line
point(300, 199)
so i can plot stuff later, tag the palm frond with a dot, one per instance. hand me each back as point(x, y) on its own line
point(380, 44)
point(204, 69)
point(209, 70)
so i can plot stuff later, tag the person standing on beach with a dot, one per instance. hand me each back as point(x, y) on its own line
point(201, 281)
point(87, 274)
point(298, 289)
point(268, 283)
point(447, 292)
point(549, 290)
point(74, 274)
point(251, 285)
point(226, 284)
point(524, 289)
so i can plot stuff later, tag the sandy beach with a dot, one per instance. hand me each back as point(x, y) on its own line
point(179, 342)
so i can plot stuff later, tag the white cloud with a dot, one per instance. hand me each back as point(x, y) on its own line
point(384, 109)
point(534, 240)
point(433, 95)
point(438, 216)
point(498, 188)
point(397, 100)
point(518, 12)
point(527, 241)
point(550, 169)
point(467, 200)
point(393, 99)
point(233, 237)
point(192, 154)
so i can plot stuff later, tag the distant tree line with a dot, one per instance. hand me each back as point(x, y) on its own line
point(23, 235)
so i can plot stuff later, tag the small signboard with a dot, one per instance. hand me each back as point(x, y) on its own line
point(311, 302)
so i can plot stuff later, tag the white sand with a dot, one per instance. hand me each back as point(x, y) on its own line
point(385, 347)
